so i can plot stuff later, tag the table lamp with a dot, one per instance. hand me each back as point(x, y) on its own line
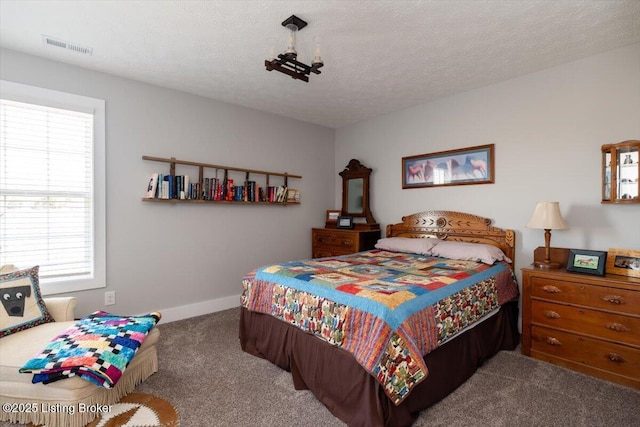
point(547, 216)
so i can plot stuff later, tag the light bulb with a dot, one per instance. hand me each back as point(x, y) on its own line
point(317, 59)
point(291, 49)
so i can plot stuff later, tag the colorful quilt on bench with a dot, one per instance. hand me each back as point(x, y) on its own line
point(388, 309)
point(97, 348)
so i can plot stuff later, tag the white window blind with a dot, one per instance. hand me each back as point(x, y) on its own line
point(48, 192)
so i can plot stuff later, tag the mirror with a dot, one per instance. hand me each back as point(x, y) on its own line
point(355, 192)
point(354, 198)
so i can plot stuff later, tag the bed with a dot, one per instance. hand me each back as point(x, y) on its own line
point(375, 340)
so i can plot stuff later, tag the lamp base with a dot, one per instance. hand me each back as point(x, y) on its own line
point(547, 265)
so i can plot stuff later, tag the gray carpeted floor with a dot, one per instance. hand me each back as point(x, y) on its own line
point(212, 382)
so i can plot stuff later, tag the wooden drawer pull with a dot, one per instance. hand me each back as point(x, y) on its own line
point(614, 299)
point(346, 243)
point(618, 327)
point(553, 341)
point(551, 289)
point(551, 314)
point(614, 357)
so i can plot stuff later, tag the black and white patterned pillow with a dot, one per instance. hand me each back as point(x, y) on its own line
point(22, 305)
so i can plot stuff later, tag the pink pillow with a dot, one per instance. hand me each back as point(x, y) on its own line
point(469, 252)
point(421, 246)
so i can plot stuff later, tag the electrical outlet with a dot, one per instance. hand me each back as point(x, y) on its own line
point(110, 298)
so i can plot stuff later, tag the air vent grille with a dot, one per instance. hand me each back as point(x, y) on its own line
point(52, 41)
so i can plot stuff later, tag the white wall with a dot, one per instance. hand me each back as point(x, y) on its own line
point(189, 259)
point(547, 128)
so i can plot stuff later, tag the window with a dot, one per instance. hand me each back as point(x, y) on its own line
point(52, 186)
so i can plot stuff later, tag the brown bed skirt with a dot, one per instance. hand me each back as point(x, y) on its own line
point(349, 391)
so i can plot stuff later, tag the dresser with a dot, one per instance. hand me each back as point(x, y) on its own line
point(587, 323)
point(336, 241)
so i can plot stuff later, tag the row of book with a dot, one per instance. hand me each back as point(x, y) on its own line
point(181, 187)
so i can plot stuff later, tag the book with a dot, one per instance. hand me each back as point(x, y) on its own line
point(229, 191)
point(281, 194)
point(152, 186)
point(185, 194)
point(160, 186)
point(166, 186)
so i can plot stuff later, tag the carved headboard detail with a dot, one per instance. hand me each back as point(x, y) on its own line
point(457, 226)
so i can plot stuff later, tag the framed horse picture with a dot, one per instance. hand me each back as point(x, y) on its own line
point(473, 165)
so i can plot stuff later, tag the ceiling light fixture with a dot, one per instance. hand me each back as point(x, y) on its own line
point(287, 62)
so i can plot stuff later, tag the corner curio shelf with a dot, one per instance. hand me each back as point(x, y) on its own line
point(261, 188)
point(620, 172)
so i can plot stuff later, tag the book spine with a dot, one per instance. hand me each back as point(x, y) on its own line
point(229, 189)
point(225, 185)
point(151, 187)
point(165, 187)
point(186, 188)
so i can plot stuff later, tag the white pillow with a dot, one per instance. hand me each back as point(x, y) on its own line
point(421, 246)
point(468, 252)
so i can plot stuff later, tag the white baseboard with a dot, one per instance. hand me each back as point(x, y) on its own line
point(198, 309)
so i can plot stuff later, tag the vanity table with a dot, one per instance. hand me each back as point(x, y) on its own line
point(333, 241)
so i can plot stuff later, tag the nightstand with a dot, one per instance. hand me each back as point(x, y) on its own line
point(586, 323)
point(327, 242)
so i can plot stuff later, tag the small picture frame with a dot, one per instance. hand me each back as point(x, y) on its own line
point(345, 222)
point(588, 262)
point(623, 262)
point(332, 216)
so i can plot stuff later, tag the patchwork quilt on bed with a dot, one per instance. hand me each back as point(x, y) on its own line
point(386, 308)
point(97, 348)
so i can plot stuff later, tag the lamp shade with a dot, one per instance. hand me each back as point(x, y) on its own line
point(547, 216)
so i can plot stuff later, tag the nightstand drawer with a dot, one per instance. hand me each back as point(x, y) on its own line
point(619, 359)
point(585, 321)
point(618, 300)
point(339, 240)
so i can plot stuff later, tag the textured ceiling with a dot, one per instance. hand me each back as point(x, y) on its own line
point(380, 56)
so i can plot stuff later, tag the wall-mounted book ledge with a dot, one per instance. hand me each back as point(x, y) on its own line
point(219, 184)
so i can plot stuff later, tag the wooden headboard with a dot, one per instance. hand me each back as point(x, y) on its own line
point(457, 226)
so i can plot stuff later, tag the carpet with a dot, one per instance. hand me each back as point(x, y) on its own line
point(237, 389)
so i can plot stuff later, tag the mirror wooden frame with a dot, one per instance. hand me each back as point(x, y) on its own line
point(355, 170)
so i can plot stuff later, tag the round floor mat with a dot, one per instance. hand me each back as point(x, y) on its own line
point(139, 410)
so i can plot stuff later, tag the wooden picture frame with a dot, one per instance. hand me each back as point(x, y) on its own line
point(623, 262)
point(345, 222)
point(332, 216)
point(588, 262)
point(472, 165)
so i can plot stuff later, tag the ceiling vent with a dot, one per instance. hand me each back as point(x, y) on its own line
point(52, 41)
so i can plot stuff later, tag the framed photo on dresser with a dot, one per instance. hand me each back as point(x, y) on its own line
point(332, 216)
point(345, 222)
point(589, 262)
point(624, 262)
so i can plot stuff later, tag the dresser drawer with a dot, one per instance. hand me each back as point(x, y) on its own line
point(618, 300)
point(345, 241)
point(615, 327)
point(618, 359)
point(329, 251)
